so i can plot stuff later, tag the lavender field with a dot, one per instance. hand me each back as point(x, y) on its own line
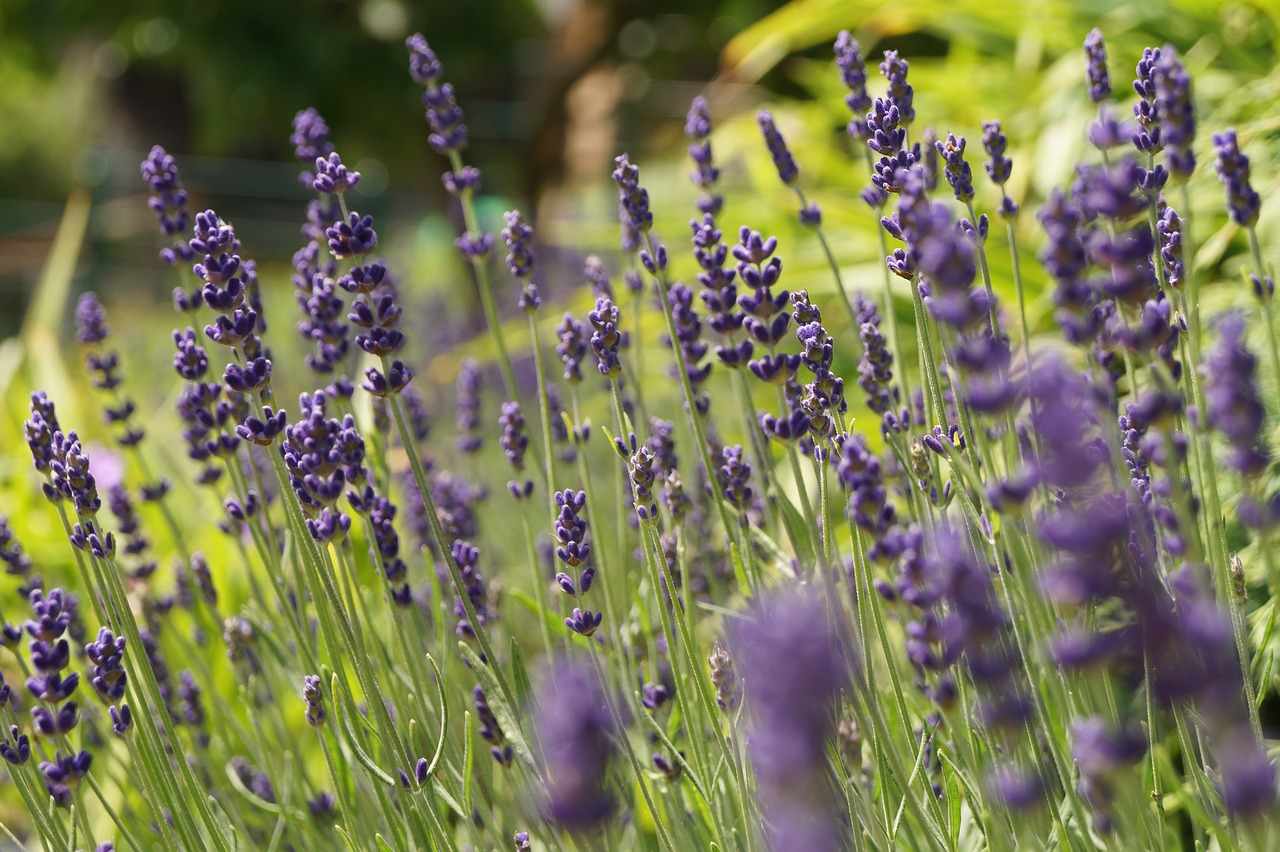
point(871, 468)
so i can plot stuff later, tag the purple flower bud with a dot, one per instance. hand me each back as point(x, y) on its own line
point(475, 246)
point(875, 367)
point(513, 441)
point(310, 140)
point(571, 347)
point(332, 176)
point(995, 143)
point(853, 74)
point(468, 394)
point(1096, 76)
point(633, 200)
point(788, 171)
point(1232, 165)
point(698, 128)
point(584, 622)
point(1177, 115)
point(518, 236)
point(424, 68)
point(606, 338)
point(734, 477)
point(1231, 394)
point(314, 698)
point(168, 201)
point(351, 237)
point(901, 94)
point(957, 171)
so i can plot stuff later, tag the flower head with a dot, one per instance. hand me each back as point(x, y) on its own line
point(1231, 394)
point(1177, 113)
point(788, 171)
point(1233, 168)
point(853, 74)
point(794, 668)
point(576, 729)
point(1096, 76)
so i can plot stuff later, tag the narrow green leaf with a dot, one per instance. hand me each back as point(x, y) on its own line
point(501, 711)
point(347, 837)
point(448, 799)
point(249, 795)
point(547, 614)
point(524, 688)
point(345, 725)
point(773, 550)
point(444, 719)
point(468, 756)
point(224, 824)
point(797, 529)
point(739, 571)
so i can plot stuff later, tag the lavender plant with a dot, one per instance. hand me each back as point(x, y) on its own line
point(1032, 602)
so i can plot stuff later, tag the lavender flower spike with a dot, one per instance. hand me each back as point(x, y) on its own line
point(576, 731)
point(957, 171)
point(332, 176)
point(1243, 202)
point(698, 128)
point(518, 237)
point(1177, 114)
point(633, 199)
point(1095, 51)
point(1235, 408)
point(794, 669)
point(310, 140)
point(999, 167)
point(853, 73)
point(444, 116)
point(168, 201)
point(788, 171)
point(901, 94)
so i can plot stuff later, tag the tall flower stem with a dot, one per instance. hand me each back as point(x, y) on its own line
point(607, 578)
point(334, 623)
point(445, 546)
point(1268, 312)
point(759, 447)
point(144, 678)
point(104, 607)
point(684, 635)
point(832, 265)
point(889, 314)
point(535, 575)
point(544, 408)
point(481, 267)
point(699, 430)
point(1208, 473)
point(981, 252)
point(396, 616)
point(638, 347)
point(806, 505)
point(935, 404)
point(641, 780)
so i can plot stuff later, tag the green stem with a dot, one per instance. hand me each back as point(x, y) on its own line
point(699, 431)
point(445, 546)
point(835, 267)
point(480, 265)
point(544, 408)
point(890, 316)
